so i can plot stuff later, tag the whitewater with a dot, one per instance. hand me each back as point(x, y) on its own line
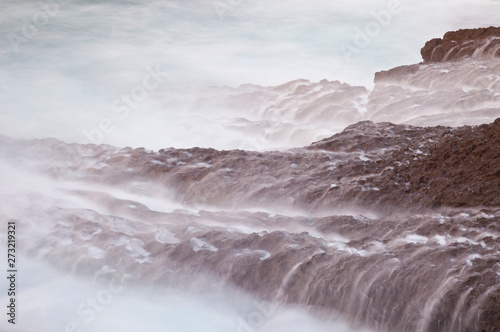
point(158, 159)
point(62, 77)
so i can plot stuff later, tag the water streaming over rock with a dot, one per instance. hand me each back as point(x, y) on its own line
point(382, 226)
point(349, 225)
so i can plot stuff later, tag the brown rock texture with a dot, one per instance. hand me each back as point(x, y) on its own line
point(396, 72)
point(461, 169)
point(431, 167)
point(380, 166)
point(390, 226)
point(423, 257)
point(456, 45)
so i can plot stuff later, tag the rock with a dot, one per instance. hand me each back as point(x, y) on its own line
point(456, 45)
point(461, 169)
point(396, 72)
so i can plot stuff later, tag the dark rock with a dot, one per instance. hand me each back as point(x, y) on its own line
point(456, 45)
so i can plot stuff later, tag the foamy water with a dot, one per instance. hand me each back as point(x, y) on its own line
point(117, 227)
point(65, 70)
point(52, 301)
point(72, 298)
point(223, 74)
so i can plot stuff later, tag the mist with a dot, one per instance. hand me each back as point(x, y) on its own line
point(156, 158)
point(59, 291)
point(68, 76)
point(55, 301)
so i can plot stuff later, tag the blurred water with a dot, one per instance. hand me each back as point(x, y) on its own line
point(49, 300)
point(64, 66)
point(67, 68)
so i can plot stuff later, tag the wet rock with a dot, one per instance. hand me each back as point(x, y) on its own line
point(456, 45)
point(396, 73)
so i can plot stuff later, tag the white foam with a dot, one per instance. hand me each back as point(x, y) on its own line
point(463, 240)
point(199, 244)
point(202, 165)
point(192, 229)
point(122, 226)
point(471, 258)
point(163, 235)
point(263, 254)
point(343, 247)
point(123, 240)
point(95, 252)
point(136, 248)
point(440, 239)
point(414, 238)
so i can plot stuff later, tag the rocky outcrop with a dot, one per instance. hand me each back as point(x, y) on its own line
point(434, 272)
point(456, 85)
point(456, 45)
point(431, 167)
point(381, 166)
point(461, 169)
point(393, 227)
point(427, 260)
point(396, 72)
point(422, 257)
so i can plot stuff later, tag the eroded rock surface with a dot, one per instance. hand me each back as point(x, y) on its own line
point(457, 84)
point(393, 227)
point(456, 45)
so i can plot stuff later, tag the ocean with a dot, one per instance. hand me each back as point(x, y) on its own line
point(65, 66)
point(223, 74)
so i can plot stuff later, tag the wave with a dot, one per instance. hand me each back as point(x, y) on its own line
point(382, 226)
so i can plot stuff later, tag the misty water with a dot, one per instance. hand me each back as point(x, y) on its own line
point(51, 301)
point(182, 74)
point(72, 299)
point(64, 77)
